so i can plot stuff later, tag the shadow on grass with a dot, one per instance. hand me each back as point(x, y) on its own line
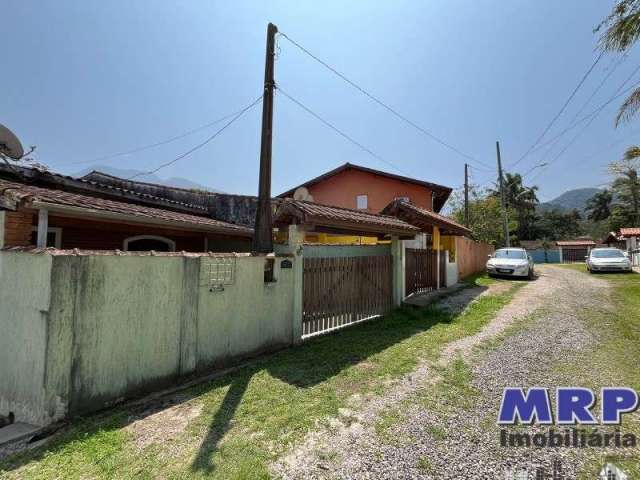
point(309, 364)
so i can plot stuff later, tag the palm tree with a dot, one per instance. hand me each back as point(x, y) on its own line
point(523, 200)
point(626, 185)
point(622, 31)
point(599, 206)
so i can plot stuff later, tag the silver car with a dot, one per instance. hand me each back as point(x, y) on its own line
point(512, 262)
point(608, 260)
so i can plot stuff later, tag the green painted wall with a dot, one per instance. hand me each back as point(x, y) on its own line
point(105, 327)
point(24, 303)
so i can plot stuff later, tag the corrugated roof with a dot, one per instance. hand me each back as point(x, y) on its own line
point(630, 232)
point(345, 219)
point(20, 193)
point(420, 217)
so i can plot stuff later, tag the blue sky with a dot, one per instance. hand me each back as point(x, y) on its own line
point(86, 79)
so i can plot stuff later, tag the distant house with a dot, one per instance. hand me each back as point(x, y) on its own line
point(575, 250)
point(49, 210)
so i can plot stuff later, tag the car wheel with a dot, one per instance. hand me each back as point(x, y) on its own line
point(531, 274)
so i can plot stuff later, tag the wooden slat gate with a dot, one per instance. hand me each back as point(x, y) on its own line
point(421, 271)
point(339, 291)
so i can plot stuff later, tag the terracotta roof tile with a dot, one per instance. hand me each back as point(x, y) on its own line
point(418, 216)
point(575, 243)
point(22, 193)
point(346, 218)
point(630, 232)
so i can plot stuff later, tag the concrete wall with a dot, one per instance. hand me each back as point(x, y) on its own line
point(86, 331)
point(24, 303)
point(452, 270)
point(471, 256)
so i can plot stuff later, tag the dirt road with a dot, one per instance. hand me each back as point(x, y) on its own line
point(440, 422)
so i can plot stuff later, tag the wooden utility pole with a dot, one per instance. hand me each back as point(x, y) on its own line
point(466, 195)
point(263, 231)
point(505, 221)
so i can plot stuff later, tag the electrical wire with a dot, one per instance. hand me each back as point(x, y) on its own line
point(583, 129)
point(340, 132)
point(381, 103)
point(562, 109)
point(153, 145)
point(202, 144)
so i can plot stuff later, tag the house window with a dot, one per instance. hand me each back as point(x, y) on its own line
point(362, 202)
point(54, 237)
point(403, 199)
point(145, 243)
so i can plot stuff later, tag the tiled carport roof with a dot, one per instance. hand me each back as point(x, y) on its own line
point(630, 232)
point(575, 243)
point(341, 220)
point(13, 194)
point(423, 219)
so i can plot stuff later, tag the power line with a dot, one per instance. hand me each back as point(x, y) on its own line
point(152, 145)
point(383, 104)
point(202, 144)
point(594, 115)
point(564, 106)
point(588, 116)
point(339, 132)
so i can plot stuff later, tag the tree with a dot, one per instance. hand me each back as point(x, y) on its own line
point(485, 215)
point(626, 187)
point(558, 225)
point(622, 30)
point(523, 200)
point(599, 206)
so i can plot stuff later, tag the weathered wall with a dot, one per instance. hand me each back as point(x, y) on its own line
point(114, 326)
point(24, 303)
point(471, 256)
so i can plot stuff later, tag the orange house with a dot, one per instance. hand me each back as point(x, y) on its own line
point(361, 188)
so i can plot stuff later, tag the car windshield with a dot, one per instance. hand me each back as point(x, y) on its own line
point(607, 254)
point(519, 254)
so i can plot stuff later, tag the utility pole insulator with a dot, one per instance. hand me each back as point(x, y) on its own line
point(263, 231)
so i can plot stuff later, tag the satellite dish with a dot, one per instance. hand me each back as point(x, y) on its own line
point(302, 193)
point(9, 144)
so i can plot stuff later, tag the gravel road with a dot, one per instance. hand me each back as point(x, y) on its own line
point(463, 443)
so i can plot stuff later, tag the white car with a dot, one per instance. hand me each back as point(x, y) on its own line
point(608, 260)
point(512, 262)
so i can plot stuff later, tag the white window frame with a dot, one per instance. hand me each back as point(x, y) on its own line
point(168, 241)
point(366, 201)
point(57, 243)
point(403, 199)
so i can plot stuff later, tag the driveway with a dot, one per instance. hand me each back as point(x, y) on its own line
point(440, 422)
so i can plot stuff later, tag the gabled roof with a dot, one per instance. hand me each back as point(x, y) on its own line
point(440, 191)
point(13, 194)
point(423, 219)
point(630, 232)
point(341, 220)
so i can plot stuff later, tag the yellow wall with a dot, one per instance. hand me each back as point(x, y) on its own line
point(339, 239)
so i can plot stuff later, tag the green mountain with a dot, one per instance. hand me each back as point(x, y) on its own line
point(571, 199)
